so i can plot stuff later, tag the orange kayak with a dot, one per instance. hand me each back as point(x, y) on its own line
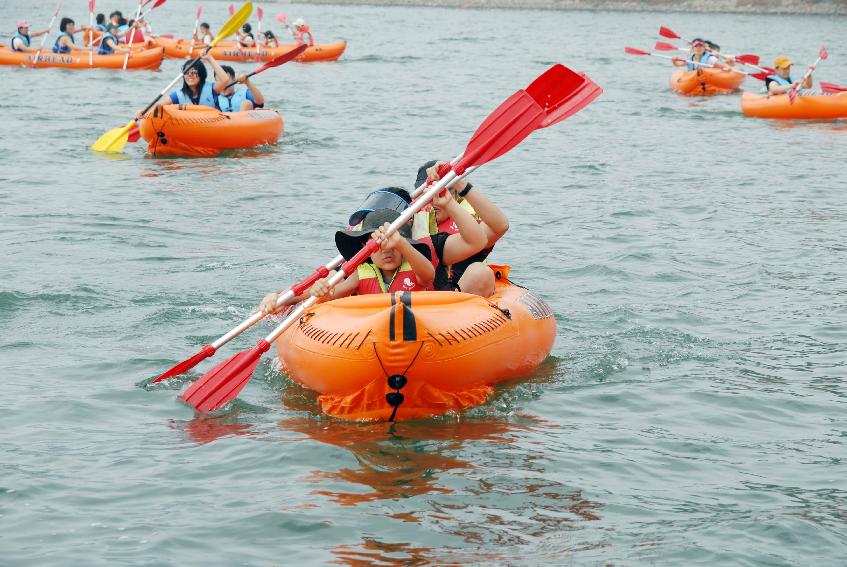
point(706, 82)
point(230, 51)
point(805, 107)
point(146, 59)
point(449, 348)
point(202, 131)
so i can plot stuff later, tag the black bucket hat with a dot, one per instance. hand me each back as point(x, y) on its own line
point(393, 198)
point(349, 242)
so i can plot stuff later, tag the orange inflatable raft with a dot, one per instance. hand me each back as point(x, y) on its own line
point(805, 107)
point(146, 59)
point(424, 353)
point(706, 82)
point(202, 131)
point(230, 51)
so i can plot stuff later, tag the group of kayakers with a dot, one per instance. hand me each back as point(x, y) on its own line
point(704, 53)
point(443, 248)
point(117, 30)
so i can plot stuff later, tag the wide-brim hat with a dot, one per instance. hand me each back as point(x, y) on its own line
point(394, 198)
point(349, 242)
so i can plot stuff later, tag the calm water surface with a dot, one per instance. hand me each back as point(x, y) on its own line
point(692, 412)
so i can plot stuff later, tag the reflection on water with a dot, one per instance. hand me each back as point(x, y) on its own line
point(205, 429)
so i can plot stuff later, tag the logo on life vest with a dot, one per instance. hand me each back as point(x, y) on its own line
point(408, 283)
point(453, 226)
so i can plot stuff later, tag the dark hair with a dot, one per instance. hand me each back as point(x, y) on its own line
point(269, 34)
point(246, 28)
point(101, 19)
point(116, 13)
point(63, 26)
point(228, 70)
point(130, 22)
point(112, 26)
point(122, 21)
point(201, 71)
point(204, 25)
point(696, 39)
point(713, 46)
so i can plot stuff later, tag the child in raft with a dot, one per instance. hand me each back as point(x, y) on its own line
point(205, 36)
point(700, 54)
point(245, 36)
point(110, 43)
point(22, 39)
point(65, 41)
point(400, 264)
point(301, 30)
point(270, 39)
point(781, 82)
point(234, 99)
point(459, 269)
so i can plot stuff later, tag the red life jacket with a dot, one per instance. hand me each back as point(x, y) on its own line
point(370, 279)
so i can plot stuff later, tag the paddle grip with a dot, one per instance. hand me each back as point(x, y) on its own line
point(305, 284)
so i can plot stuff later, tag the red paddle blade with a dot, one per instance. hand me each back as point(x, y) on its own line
point(282, 18)
point(662, 46)
point(231, 10)
point(225, 381)
point(186, 365)
point(158, 3)
point(284, 58)
point(515, 119)
point(134, 134)
point(748, 58)
point(832, 88)
point(259, 13)
point(199, 10)
point(633, 51)
point(667, 32)
point(760, 76)
point(561, 93)
point(822, 53)
point(91, 5)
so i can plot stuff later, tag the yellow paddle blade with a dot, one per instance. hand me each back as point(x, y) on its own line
point(114, 140)
point(236, 21)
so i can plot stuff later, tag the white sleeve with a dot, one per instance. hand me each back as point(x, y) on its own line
point(16, 41)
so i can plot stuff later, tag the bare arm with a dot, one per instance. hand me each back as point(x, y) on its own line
point(254, 90)
point(221, 76)
point(494, 222)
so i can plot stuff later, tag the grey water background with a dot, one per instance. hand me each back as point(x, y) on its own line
point(693, 408)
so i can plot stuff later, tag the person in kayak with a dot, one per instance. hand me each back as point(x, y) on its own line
point(700, 54)
point(781, 82)
point(301, 30)
point(135, 32)
point(270, 39)
point(118, 19)
point(205, 34)
point(195, 88)
point(22, 39)
point(234, 99)
point(110, 43)
point(65, 41)
point(400, 264)
point(461, 269)
point(245, 36)
point(101, 23)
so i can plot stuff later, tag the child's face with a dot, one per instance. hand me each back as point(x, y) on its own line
point(387, 259)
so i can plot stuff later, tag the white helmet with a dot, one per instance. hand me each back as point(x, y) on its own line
point(299, 23)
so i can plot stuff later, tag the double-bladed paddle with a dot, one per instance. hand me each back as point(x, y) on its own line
point(822, 54)
point(44, 38)
point(114, 140)
point(831, 88)
point(196, 27)
point(633, 51)
point(275, 62)
point(747, 59)
point(554, 96)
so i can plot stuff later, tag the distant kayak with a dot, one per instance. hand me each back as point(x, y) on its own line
point(231, 51)
point(146, 59)
point(204, 132)
point(706, 82)
point(805, 107)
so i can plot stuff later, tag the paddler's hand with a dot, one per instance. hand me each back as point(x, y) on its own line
point(443, 199)
point(320, 289)
point(810, 68)
point(432, 173)
point(242, 78)
point(678, 61)
point(268, 304)
point(386, 242)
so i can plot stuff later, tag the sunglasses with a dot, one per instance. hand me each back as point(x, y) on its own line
point(191, 73)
